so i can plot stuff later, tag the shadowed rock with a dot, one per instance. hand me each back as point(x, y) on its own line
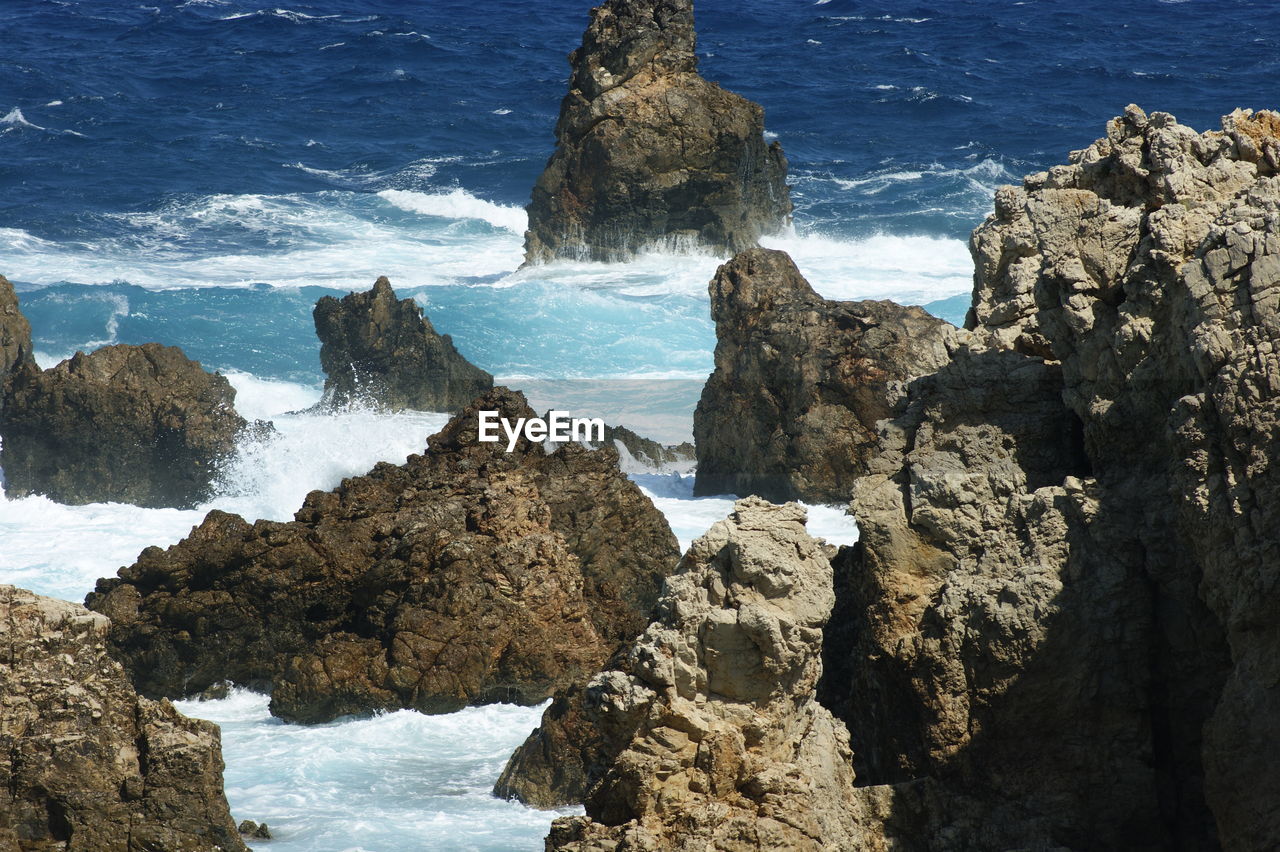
point(130, 424)
point(467, 575)
point(85, 764)
point(800, 381)
point(380, 351)
point(15, 333)
point(648, 153)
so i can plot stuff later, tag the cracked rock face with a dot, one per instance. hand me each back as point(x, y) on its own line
point(1150, 267)
point(800, 381)
point(467, 575)
point(130, 424)
point(15, 333)
point(648, 153)
point(381, 351)
point(716, 738)
point(85, 764)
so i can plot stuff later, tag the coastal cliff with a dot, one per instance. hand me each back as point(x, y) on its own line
point(650, 155)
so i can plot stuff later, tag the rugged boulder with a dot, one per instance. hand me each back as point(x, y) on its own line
point(800, 382)
point(717, 739)
point(377, 350)
point(15, 333)
point(1058, 629)
point(648, 153)
point(85, 764)
point(466, 575)
point(130, 424)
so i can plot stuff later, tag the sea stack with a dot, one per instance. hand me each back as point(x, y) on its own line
point(129, 424)
point(649, 155)
point(15, 333)
point(381, 351)
point(717, 740)
point(800, 382)
point(85, 764)
point(467, 575)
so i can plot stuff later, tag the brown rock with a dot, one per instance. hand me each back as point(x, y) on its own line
point(85, 764)
point(131, 424)
point(800, 382)
point(467, 575)
point(377, 350)
point(719, 741)
point(648, 153)
point(15, 333)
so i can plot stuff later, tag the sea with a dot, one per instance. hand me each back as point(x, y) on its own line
point(199, 173)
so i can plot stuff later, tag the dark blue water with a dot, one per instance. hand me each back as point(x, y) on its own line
point(313, 146)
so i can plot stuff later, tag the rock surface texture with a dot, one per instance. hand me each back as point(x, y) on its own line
point(648, 153)
point(131, 424)
point(800, 382)
point(467, 575)
point(381, 351)
point(15, 333)
point(717, 740)
point(1059, 627)
point(85, 764)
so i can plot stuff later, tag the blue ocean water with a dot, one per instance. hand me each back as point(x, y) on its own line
point(199, 173)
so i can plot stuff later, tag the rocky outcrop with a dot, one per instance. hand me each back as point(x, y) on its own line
point(130, 424)
point(717, 740)
point(648, 153)
point(1058, 627)
point(85, 764)
point(467, 575)
point(800, 382)
point(15, 333)
point(380, 351)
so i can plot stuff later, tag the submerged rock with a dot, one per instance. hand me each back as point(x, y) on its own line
point(381, 351)
point(716, 738)
point(84, 762)
point(800, 381)
point(129, 424)
point(648, 153)
point(467, 575)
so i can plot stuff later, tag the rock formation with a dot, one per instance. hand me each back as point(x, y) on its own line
point(377, 350)
point(15, 333)
point(800, 382)
point(717, 739)
point(1058, 629)
point(85, 764)
point(648, 153)
point(131, 424)
point(466, 575)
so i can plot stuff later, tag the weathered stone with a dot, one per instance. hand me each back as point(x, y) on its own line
point(648, 153)
point(379, 351)
point(800, 382)
point(85, 764)
point(130, 424)
point(715, 738)
point(15, 334)
point(467, 575)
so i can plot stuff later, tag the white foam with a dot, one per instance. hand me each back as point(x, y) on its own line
point(458, 204)
point(15, 118)
point(398, 782)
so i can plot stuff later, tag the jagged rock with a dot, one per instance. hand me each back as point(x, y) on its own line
point(249, 828)
point(717, 740)
point(467, 575)
point(85, 764)
point(377, 350)
point(1150, 267)
point(130, 424)
point(648, 153)
point(800, 382)
point(15, 333)
point(1058, 629)
point(638, 454)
